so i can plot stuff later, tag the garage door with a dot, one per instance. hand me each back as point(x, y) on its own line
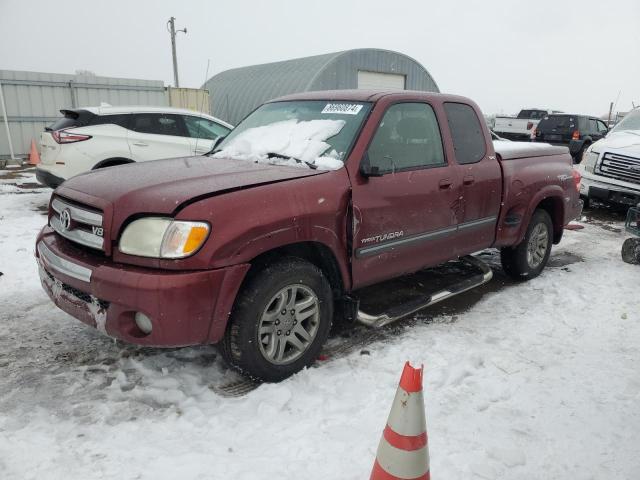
point(380, 80)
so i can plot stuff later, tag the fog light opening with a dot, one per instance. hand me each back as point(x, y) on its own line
point(143, 323)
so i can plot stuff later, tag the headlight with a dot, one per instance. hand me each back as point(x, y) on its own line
point(589, 159)
point(163, 237)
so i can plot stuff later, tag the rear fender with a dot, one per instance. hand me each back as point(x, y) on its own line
point(551, 200)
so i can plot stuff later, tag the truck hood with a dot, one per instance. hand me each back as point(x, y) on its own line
point(161, 186)
point(624, 143)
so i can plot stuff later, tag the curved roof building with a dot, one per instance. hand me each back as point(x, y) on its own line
point(235, 93)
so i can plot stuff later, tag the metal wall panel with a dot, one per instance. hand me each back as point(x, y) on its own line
point(34, 100)
point(194, 99)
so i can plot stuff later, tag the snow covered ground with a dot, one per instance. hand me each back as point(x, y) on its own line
point(534, 381)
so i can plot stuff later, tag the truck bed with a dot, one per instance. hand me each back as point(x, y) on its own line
point(512, 150)
point(532, 172)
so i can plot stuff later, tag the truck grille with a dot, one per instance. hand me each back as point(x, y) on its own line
point(80, 224)
point(620, 167)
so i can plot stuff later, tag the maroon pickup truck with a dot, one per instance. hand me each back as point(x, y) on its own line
point(259, 244)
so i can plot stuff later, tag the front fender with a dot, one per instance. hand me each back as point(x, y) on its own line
point(250, 222)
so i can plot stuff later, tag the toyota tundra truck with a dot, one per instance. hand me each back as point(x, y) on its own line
point(261, 243)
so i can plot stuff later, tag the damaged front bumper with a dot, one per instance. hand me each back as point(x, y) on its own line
point(185, 308)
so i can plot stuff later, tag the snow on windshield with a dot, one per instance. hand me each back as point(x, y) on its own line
point(301, 140)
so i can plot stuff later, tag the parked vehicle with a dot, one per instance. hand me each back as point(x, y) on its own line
point(611, 166)
point(631, 246)
point(96, 137)
point(577, 132)
point(312, 197)
point(520, 127)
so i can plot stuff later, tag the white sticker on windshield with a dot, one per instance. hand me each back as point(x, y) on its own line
point(342, 108)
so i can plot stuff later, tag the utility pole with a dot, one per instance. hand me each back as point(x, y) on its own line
point(172, 30)
point(6, 123)
point(610, 113)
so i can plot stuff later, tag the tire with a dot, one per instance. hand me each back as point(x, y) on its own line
point(578, 158)
point(264, 339)
point(631, 251)
point(527, 259)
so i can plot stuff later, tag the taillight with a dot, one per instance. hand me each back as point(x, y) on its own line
point(529, 125)
point(576, 135)
point(576, 179)
point(61, 136)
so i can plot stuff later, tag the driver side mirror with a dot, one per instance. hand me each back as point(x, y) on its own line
point(367, 170)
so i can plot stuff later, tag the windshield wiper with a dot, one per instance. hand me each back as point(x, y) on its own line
point(217, 142)
point(287, 157)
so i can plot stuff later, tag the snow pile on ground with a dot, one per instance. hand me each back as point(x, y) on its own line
point(302, 140)
point(537, 380)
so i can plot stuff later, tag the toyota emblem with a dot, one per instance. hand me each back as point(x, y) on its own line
point(65, 219)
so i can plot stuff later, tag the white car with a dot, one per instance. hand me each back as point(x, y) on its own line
point(95, 137)
point(610, 167)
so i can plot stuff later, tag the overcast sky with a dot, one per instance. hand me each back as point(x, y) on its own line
point(506, 54)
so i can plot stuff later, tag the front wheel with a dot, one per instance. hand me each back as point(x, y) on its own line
point(527, 259)
point(280, 321)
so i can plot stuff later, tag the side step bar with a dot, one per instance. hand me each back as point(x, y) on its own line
point(378, 321)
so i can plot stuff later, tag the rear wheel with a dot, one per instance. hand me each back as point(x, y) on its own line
point(579, 156)
point(527, 259)
point(280, 320)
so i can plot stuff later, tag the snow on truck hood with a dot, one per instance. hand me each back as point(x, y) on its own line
point(161, 186)
point(302, 140)
point(626, 142)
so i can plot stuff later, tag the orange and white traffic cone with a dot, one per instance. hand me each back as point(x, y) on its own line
point(34, 158)
point(403, 452)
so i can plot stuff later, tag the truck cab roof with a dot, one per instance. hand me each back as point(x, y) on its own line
point(357, 95)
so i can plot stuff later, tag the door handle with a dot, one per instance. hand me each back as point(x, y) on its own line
point(138, 144)
point(468, 180)
point(445, 184)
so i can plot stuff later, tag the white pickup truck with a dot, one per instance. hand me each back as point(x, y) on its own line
point(610, 167)
point(520, 127)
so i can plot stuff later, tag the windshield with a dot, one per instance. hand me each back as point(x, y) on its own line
point(307, 133)
point(631, 121)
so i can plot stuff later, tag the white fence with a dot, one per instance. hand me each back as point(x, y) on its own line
point(33, 100)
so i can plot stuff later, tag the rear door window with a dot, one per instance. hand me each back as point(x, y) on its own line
point(407, 138)
point(158, 124)
point(593, 125)
point(602, 127)
point(199, 127)
point(121, 120)
point(466, 133)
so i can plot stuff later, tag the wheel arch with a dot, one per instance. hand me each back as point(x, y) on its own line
point(110, 162)
point(316, 253)
point(554, 206)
